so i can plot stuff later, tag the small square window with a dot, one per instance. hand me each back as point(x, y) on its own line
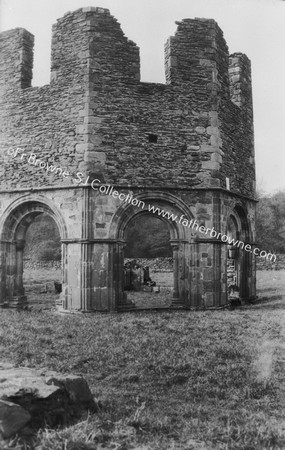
point(153, 138)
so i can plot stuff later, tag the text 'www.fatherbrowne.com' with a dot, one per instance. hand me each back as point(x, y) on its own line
point(194, 225)
point(96, 184)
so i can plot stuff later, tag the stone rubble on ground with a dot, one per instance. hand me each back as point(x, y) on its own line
point(34, 398)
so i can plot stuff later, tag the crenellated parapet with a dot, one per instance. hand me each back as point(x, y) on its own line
point(88, 44)
point(96, 116)
point(240, 81)
point(198, 54)
point(16, 59)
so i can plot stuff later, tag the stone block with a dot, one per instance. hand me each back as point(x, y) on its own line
point(81, 148)
point(213, 130)
point(85, 112)
point(193, 147)
point(208, 148)
point(42, 398)
point(200, 130)
point(76, 387)
point(210, 165)
point(98, 157)
point(12, 418)
point(216, 157)
point(91, 119)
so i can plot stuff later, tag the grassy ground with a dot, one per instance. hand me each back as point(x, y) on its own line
point(167, 380)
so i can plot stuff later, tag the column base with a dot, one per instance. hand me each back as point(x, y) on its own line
point(177, 302)
point(124, 303)
point(18, 302)
point(126, 306)
point(4, 305)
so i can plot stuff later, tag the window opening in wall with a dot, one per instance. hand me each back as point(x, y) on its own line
point(153, 138)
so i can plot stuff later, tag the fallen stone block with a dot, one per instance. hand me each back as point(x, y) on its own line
point(48, 398)
point(12, 418)
point(75, 385)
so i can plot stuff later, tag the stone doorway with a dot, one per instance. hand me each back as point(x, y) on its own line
point(42, 276)
point(240, 266)
point(148, 263)
point(177, 241)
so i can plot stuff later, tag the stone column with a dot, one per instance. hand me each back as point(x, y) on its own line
point(3, 268)
point(85, 285)
point(19, 299)
point(122, 301)
point(63, 301)
point(176, 300)
point(85, 253)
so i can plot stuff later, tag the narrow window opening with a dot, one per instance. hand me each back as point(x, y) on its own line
point(153, 138)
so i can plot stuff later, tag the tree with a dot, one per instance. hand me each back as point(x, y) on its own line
point(270, 222)
point(148, 237)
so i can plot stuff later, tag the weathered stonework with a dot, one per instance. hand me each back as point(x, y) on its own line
point(186, 147)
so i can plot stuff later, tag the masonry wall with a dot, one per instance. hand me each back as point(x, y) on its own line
point(17, 59)
point(96, 117)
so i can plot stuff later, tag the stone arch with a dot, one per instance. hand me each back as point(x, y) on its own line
point(13, 226)
point(240, 260)
point(180, 238)
point(160, 199)
point(25, 205)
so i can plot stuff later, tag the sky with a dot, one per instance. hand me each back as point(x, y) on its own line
point(253, 27)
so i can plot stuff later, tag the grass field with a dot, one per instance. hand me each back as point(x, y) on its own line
point(165, 380)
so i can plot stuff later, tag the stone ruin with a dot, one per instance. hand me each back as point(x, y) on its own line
point(137, 276)
point(96, 147)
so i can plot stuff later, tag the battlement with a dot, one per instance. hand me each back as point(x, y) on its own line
point(16, 58)
point(195, 130)
point(89, 45)
point(87, 9)
point(197, 53)
point(240, 81)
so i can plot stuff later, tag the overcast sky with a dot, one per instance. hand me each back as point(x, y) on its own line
point(254, 27)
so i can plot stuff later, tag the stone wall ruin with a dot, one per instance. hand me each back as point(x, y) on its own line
point(185, 146)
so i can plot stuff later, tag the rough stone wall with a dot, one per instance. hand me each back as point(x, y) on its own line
point(17, 59)
point(198, 54)
point(182, 115)
point(97, 118)
point(42, 122)
point(236, 128)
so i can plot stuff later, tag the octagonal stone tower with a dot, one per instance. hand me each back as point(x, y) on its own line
point(96, 148)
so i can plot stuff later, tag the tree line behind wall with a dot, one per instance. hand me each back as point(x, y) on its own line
point(270, 222)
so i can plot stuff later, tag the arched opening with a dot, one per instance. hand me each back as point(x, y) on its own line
point(19, 225)
point(42, 262)
point(148, 262)
point(238, 259)
point(233, 269)
point(178, 236)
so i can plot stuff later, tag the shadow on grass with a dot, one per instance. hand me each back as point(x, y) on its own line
point(272, 302)
point(266, 289)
